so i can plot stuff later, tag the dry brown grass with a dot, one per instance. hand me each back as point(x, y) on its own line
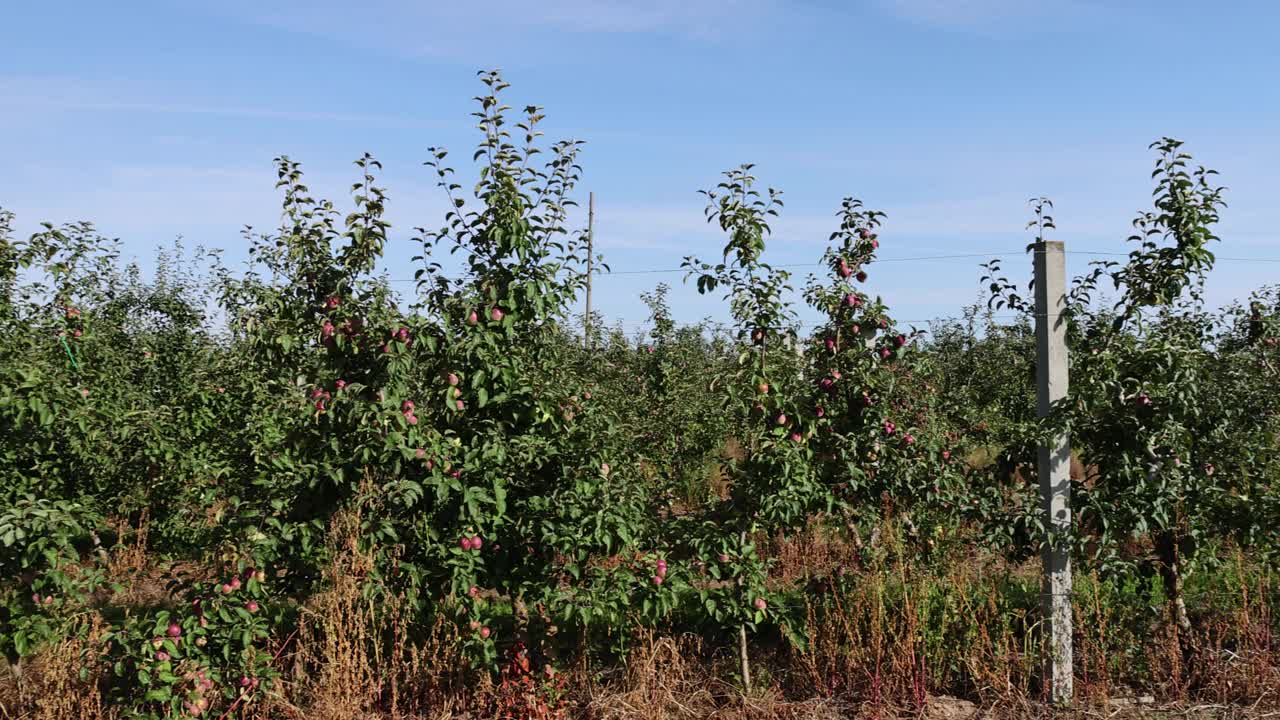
point(896, 639)
point(816, 551)
point(61, 682)
point(676, 678)
point(357, 654)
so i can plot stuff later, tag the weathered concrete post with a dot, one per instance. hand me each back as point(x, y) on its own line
point(1054, 468)
point(591, 239)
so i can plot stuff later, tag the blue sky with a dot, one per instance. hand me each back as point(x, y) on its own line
point(155, 119)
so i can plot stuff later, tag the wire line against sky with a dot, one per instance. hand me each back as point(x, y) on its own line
point(810, 323)
point(920, 258)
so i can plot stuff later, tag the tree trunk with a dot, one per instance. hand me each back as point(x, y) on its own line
point(1167, 551)
point(1171, 574)
point(742, 632)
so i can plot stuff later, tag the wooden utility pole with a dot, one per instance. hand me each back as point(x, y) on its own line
point(1054, 467)
point(591, 236)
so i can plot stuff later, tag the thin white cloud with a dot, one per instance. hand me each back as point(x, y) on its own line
point(35, 94)
point(675, 17)
point(681, 230)
point(980, 14)
point(480, 31)
point(147, 204)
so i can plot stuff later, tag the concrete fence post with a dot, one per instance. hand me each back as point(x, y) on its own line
point(587, 330)
point(1054, 466)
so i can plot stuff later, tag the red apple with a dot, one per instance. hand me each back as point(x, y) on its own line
point(496, 314)
point(453, 379)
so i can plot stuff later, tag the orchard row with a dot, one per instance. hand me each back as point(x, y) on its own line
point(523, 483)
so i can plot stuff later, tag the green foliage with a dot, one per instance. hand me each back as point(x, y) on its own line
point(1180, 447)
point(531, 488)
